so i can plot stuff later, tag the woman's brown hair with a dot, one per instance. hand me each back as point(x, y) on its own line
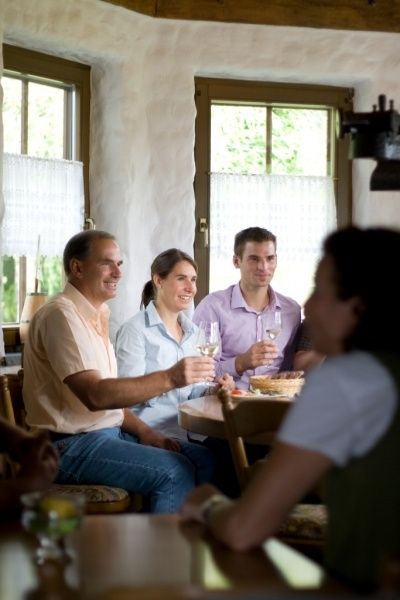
point(162, 265)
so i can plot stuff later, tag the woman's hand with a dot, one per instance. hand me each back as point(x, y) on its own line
point(151, 437)
point(148, 436)
point(227, 382)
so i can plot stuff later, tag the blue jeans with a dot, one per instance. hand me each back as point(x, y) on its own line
point(113, 457)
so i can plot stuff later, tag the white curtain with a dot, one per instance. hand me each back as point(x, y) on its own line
point(299, 210)
point(42, 197)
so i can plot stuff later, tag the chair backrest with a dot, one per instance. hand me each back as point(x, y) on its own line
point(12, 404)
point(247, 419)
point(7, 412)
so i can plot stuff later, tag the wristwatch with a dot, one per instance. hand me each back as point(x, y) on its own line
point(208, 505)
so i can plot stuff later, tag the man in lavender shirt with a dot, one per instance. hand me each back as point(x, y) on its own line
point(245, 310)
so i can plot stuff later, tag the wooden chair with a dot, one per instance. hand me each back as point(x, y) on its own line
point(99, 498)
point(257, 421)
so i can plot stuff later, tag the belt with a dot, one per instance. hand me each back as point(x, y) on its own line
point(56, 436)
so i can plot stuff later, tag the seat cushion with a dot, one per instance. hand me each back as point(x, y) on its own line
point(307, 521)
point(99, 498)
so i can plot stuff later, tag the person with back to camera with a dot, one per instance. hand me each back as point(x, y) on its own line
point(344, 426)
point(71, 386)
point(38, 464)
point(244, 309)
point(155, 338)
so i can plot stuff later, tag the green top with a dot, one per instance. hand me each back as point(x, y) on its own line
point(363, 500)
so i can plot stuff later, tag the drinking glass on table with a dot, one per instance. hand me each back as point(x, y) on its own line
point(51, 517)
point(208, 339)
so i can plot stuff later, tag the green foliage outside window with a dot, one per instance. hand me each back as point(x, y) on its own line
point(9, 301)
point(50, 283)
point(240, 135)
point(51, 275)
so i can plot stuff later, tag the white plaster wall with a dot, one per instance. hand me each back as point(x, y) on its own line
point(143, 111)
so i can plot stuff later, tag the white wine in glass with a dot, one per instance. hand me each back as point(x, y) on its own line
point(274, 329)
point(208, 339)
point(208, 342)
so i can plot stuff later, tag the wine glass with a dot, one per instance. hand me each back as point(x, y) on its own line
point(273, 329)
point(51, 517)
point(208, 341)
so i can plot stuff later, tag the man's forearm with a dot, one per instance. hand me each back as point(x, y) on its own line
point(97, 393)
point(123, 392)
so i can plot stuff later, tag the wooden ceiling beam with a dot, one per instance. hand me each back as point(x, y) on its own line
point(372, 15)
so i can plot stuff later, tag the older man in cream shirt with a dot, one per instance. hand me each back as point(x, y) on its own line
point(71, 387)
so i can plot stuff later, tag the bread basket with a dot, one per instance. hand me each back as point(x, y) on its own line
point(287, 383)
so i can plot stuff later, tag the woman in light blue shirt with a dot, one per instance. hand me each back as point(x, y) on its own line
point(160, 335)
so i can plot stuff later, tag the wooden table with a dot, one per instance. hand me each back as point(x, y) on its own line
point(204, 415)
point(131, 556)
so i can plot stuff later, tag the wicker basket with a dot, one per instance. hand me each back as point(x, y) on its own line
point(276, 385)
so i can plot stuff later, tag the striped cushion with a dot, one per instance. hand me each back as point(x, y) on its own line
point(306, 521)
point(99, 498)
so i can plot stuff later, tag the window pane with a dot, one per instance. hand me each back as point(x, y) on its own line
point(12, 114)
point(51, 275)
point(45, 121)
point(299, 146)
point(50, 107)
point(299, 141)
point(9, 303)
point(238, 139)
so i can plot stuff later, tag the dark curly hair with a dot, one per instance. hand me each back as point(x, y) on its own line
point(365, 262)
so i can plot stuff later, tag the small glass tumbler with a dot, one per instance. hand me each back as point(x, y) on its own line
point(51, 517)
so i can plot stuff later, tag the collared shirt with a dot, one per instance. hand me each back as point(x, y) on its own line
point(144, 345)
point(67, 335)
point(241, 326)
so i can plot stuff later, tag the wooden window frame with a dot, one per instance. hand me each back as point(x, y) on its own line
point(208, 91)
point(37, 64)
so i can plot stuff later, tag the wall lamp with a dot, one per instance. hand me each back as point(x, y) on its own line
point(376, 135)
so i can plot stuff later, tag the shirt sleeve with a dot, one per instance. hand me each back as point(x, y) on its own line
point(130, 350)
point(75, 353)
point(343, 410)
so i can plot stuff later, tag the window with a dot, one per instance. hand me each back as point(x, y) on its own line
point(267, 154)
point(46, 103)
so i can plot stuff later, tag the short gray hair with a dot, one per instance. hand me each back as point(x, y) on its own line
point(79, 245)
